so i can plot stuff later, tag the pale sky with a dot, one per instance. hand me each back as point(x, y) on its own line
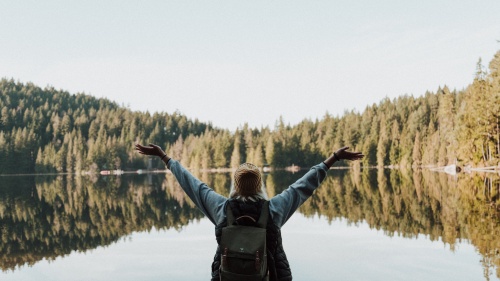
point(231, 62)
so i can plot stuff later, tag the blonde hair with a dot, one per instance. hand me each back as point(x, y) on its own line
point(248, 184)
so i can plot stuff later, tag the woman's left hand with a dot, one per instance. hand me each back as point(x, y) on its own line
point(151, 149)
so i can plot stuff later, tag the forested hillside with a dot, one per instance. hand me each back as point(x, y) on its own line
point(48, 130)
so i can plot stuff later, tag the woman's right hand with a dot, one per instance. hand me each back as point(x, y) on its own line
point(342, 153)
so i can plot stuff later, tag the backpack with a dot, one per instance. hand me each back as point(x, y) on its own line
point(243, 247)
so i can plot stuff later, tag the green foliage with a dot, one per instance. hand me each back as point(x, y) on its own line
point(47, 130)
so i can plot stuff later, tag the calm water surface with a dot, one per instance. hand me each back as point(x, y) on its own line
point(360, 225)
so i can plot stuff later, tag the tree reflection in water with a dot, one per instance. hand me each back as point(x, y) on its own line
point(45, 218)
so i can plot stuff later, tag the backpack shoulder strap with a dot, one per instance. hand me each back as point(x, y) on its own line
point(229, 215)
point(264, 215)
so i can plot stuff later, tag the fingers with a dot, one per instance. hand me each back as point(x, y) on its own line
point(150, 149)
point(149, 146)
point(138, 146)
point(356, 156)
point(348, 155)
point(142, 149)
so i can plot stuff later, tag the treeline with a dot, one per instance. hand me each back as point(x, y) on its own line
point(47, 130)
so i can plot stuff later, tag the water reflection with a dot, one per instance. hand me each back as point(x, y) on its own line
point(44, 218)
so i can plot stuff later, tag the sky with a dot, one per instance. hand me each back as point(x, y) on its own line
point(237, 62)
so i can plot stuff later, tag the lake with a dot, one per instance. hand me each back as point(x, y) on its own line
point(359, 225)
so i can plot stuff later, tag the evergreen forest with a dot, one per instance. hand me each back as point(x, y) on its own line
point(45, 130)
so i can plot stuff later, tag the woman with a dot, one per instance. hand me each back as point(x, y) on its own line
point(247, 198)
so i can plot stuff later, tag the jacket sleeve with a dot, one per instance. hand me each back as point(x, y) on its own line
point(206, 199)
point(283, 205)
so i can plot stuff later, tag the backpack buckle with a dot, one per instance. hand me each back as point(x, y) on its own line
point(257, 261)
point(224, 258)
